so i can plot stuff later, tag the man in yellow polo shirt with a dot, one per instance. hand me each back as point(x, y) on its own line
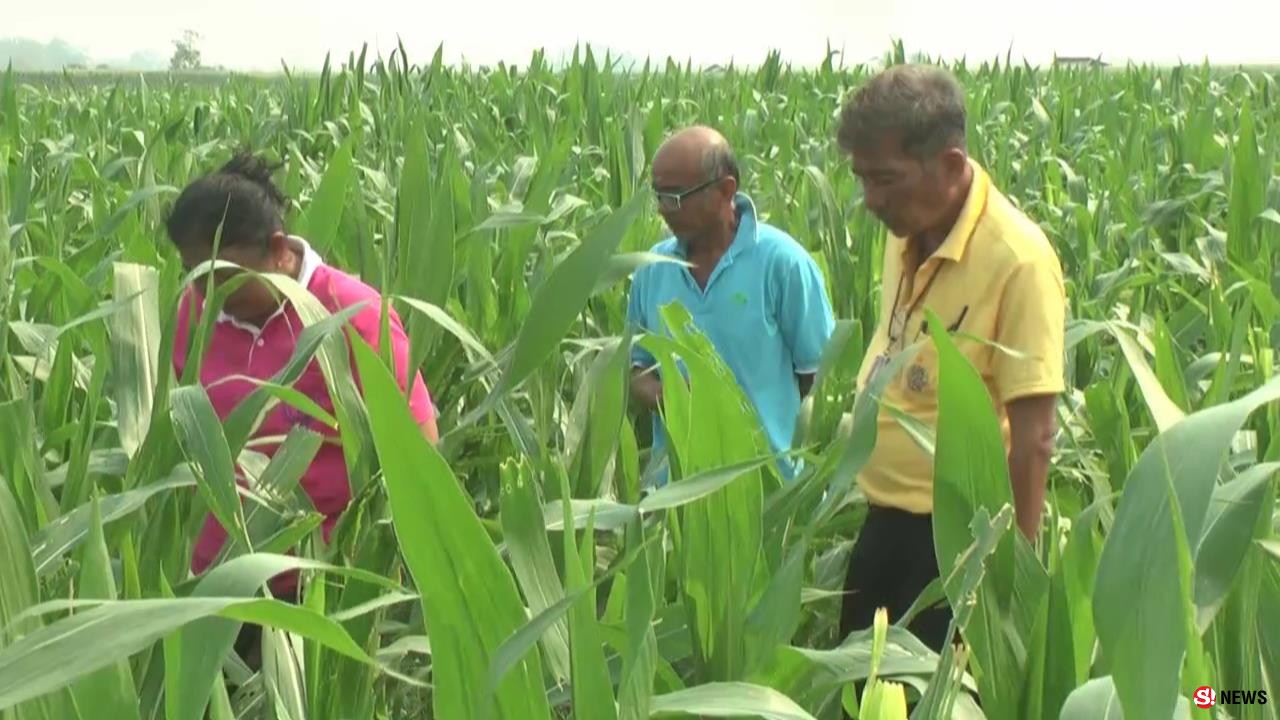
point(960, 248)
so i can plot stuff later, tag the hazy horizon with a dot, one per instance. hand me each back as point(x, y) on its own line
point(246, 35)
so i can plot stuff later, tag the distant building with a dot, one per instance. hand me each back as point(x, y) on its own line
point(1078, 60)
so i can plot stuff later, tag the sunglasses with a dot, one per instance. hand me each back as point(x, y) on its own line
point(673, 199)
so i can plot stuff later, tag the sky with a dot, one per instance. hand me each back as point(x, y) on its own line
point(258, 34)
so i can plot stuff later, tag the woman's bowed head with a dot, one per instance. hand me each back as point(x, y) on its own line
point(240, 210)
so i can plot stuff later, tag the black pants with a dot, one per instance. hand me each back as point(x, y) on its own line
point(891, 563)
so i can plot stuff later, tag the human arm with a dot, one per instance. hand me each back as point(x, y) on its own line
point(804, 314)
point(646, 388)
point(368, 322)
point(429, 429)
point(805, 381)
point(420, 403)
point(646, 384)
point(1031, 322)
point(1032, 427)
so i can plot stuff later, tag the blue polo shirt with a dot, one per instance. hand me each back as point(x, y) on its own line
point(765, 310)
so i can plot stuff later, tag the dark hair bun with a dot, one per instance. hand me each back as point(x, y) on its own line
point(238, 203)
point(257, 170)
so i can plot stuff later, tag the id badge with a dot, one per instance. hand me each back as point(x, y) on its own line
point(881, 360)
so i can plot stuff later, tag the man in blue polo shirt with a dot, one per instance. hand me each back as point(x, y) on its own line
point(752, 289)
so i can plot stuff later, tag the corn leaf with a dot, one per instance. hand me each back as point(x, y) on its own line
point(200, 435)
point(730, 699)
point(135, 345)
point(59, 654)
point(639, 663)
point(971, 473)
point(592, 690)
point(18, 593)
point(469, 598)
point(559, 300)
point(531, 559)
point(1137, 603)
point(109, 691)
point(1230, 525)
point(323, 216)
point(68, 530)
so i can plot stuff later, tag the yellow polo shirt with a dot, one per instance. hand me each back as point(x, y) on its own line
point(996, 277)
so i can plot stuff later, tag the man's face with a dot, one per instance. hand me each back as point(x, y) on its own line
point(701, 198)
point(908, 194)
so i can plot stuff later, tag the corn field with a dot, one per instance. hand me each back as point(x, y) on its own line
point(523, 569)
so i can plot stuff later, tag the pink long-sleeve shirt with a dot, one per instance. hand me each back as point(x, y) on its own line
point(240, 349)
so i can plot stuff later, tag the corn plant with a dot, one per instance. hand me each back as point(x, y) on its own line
point(525, 567)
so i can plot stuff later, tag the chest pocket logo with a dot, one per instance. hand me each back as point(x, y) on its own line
point(917, 378)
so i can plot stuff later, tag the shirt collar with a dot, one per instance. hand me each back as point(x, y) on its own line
point(747, 235)
point(311, 261)
point(975, 205)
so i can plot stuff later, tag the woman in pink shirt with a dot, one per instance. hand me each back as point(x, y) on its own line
point(255, 333)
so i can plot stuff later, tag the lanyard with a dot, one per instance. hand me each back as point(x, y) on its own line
point(897, 296)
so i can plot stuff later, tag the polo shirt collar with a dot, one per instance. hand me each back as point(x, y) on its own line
point(747, 236)
point(311, 261)
point(975, 205)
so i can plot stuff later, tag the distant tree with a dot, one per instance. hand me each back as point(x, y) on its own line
point(30, 55)
point(186, 56)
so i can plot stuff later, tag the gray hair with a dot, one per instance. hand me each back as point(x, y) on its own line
point(719, 161)
point(922, 103)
